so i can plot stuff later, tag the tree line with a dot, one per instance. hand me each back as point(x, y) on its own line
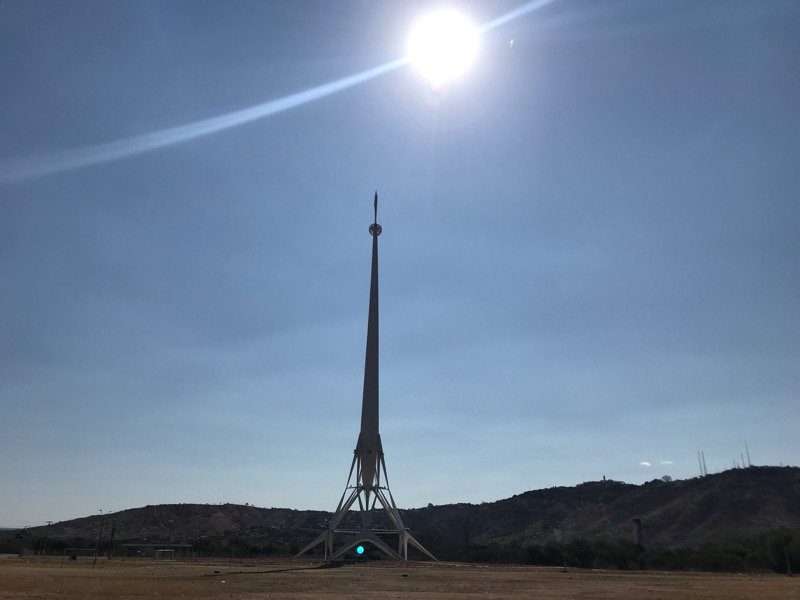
point(777, 551)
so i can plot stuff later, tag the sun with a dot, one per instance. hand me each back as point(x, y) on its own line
point(442, 46)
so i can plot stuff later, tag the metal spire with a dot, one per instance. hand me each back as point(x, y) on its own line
point(368, 462)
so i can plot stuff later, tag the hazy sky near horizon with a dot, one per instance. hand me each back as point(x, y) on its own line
point(589, 260)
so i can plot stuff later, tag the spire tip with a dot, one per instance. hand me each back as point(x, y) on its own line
point(375, 229)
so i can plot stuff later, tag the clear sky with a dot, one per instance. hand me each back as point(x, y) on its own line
point(590, 260)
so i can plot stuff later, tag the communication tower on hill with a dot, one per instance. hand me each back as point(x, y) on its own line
point(367, 491)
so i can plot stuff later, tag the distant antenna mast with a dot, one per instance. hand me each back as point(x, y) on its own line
point(699, 462)
point(749, 464)
point(705, 470)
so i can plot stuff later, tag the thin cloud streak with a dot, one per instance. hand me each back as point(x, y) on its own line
point(516, 13)
point(38, 166)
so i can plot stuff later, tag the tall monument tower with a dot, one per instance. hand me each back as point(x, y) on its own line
point(368, 485)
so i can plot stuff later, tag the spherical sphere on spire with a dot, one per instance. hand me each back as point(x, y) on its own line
point(375, 229)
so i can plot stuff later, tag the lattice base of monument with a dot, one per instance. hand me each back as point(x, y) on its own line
point(338, 542)
point(376, 521)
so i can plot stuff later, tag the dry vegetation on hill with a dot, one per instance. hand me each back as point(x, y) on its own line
point(755, 508)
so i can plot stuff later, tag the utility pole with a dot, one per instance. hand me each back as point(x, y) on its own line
point(111, 541)
point(46, 532)
point(21, 535)
point(99, 537)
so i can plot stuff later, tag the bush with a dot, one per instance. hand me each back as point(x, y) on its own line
point(547, 555)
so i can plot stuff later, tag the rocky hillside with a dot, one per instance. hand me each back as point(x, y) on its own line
point(735, 503)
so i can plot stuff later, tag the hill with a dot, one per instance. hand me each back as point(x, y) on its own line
point(739, 503)
point(732, 504)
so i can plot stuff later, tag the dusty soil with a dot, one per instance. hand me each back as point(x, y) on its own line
point(128, 579)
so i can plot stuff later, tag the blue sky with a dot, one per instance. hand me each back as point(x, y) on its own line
point(588, 264)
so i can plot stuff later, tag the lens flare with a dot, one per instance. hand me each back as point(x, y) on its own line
point(448, 44)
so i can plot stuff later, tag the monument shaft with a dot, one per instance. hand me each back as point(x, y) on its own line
point(368, 447)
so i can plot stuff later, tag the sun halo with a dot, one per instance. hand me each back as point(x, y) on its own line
point(442, 45)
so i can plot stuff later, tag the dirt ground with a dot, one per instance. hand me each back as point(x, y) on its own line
point(128, 579)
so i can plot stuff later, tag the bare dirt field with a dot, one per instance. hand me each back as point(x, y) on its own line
point(128, 579)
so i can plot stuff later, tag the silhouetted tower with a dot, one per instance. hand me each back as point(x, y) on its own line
point(367, 489)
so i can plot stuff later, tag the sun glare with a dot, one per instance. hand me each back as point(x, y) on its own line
point(442, 46)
